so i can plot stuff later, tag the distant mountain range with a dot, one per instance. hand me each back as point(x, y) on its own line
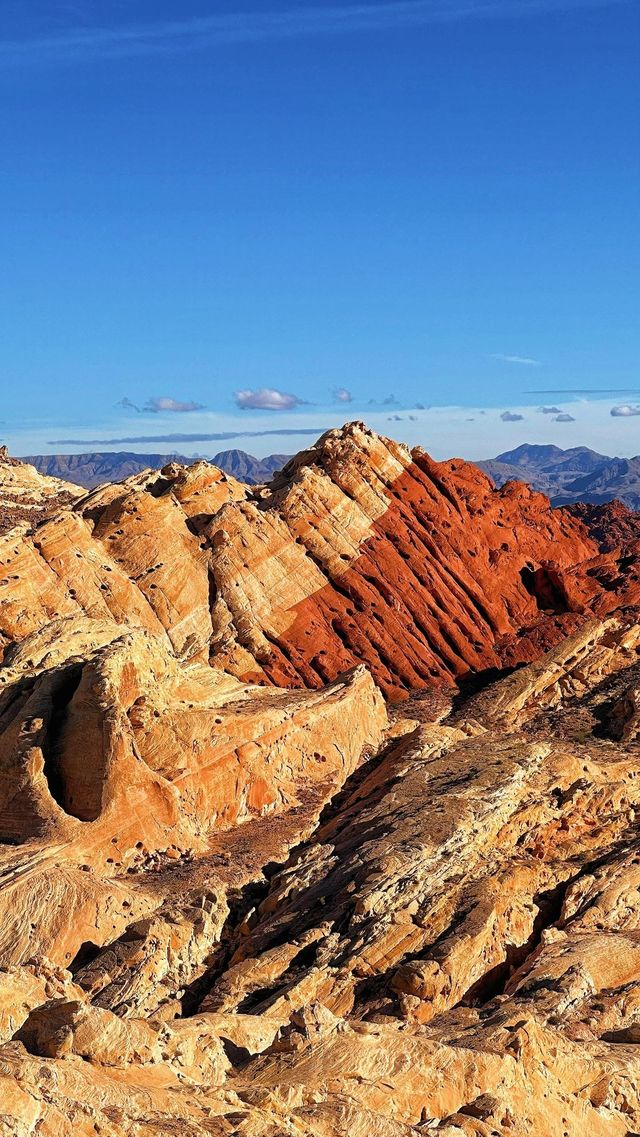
point(568, 476)
point(89, 470)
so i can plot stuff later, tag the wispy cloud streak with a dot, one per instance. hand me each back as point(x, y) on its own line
point(584, 391)
point(222, 436)
point(253, 26)
point(522, 360)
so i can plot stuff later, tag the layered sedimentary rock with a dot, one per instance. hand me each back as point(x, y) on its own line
point(359, 552)
point(26, 495)
point(125, 553)
point(120, 756)
point(436, 930)
point(240, 894)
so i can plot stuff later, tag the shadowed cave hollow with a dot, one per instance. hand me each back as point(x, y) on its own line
point(74, 773)
point(544, 586)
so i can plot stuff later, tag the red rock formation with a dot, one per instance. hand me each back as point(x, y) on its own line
point(359, 552)
point(421, 570)
point(613, 525)
point(230, 908)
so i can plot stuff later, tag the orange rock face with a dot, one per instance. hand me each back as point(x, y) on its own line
point(421, 570)
point(359, 553)
point(26, 495)
point(240, 893)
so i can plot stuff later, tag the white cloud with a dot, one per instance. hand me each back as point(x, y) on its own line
point(523, 360)
point(163, 403)
point(442, 430)
point(266, 399)
point(625, 410)
point(509, 416)
point(342, 395)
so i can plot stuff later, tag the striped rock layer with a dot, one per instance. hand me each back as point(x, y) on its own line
point(242, 893)
point(359, 552)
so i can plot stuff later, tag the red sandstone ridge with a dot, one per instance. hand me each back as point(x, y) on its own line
point(359, 552)
point(234, 909)
point(613, 524)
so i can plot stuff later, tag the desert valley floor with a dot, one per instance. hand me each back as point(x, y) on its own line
point(318, 804)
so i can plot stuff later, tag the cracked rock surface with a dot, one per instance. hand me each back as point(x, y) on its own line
point(307, 828)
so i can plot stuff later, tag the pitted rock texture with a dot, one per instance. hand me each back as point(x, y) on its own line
point(358, 552)
point(362, 549)
point(112, 759)
point(612, 524)
point(244, 909)
point(26, 495)
point(440, 932)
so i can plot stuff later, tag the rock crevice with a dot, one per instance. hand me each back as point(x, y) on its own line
point(318, 807)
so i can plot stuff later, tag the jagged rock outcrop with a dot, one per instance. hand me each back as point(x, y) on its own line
point(113, 760)
point(359, 552)
point(125, 553)
point(239, 894)
point(613, 525)
point(26, 495)
point(362, 549)
point(452, 946)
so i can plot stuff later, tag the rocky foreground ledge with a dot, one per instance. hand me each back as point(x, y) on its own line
point(244, 894)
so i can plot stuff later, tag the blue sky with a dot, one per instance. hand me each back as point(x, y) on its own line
point(264, 218)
